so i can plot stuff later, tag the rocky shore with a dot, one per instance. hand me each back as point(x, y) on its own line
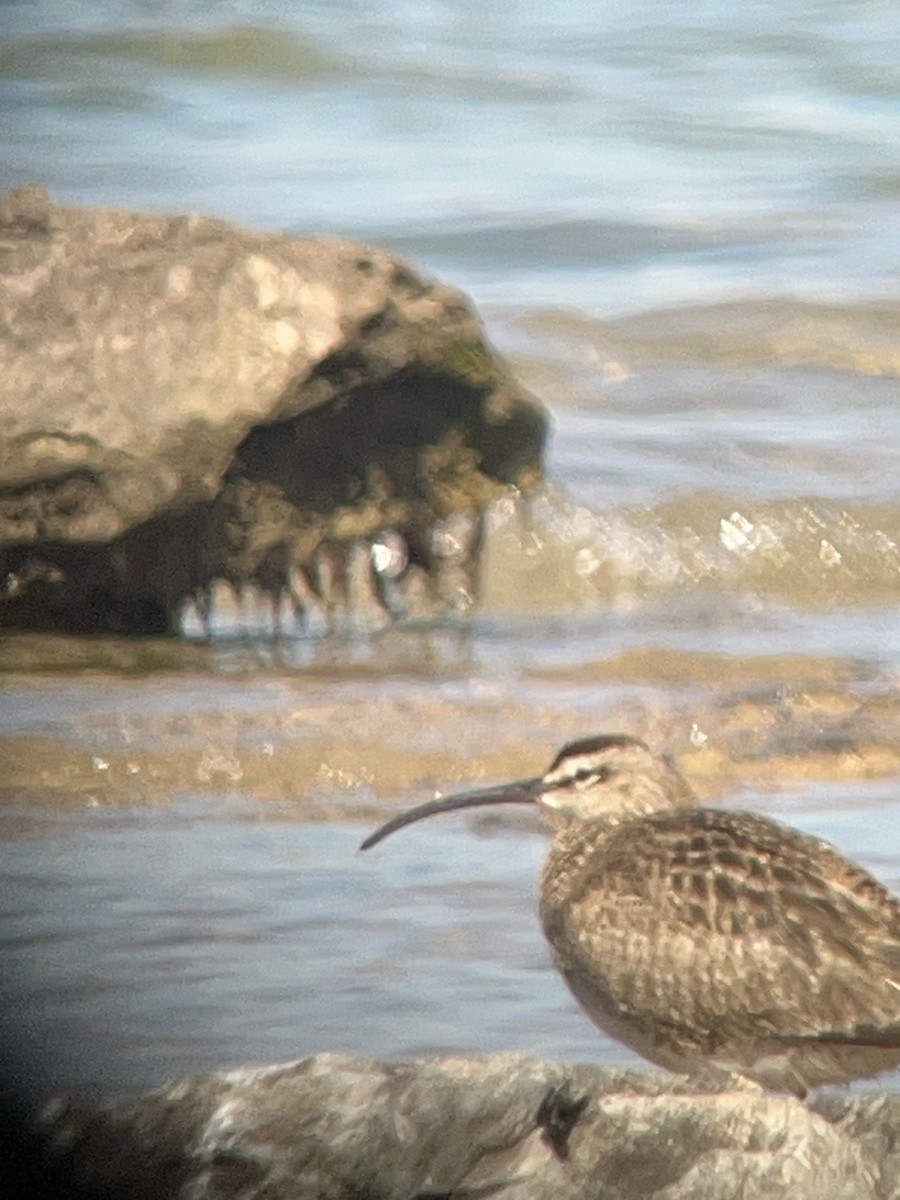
point(187, 405)
point(336, 1127)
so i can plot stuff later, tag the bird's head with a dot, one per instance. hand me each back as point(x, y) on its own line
point(609, 777)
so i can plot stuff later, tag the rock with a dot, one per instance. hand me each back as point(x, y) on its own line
point(335, 1127)
point(185, 402)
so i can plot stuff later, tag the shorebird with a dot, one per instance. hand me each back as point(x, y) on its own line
point(706, 939)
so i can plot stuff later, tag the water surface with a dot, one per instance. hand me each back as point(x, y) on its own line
point(680, 224)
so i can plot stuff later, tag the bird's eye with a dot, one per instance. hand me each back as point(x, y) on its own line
point(588, 776)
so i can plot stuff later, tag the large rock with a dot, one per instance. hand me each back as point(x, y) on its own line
point(334, 1127)
point(185, 401)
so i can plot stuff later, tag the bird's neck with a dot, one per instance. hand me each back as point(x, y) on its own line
point(575, 844)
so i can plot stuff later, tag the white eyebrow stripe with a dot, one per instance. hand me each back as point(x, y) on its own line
point(892, 983)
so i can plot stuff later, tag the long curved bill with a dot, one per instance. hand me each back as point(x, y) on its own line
point(525, 791)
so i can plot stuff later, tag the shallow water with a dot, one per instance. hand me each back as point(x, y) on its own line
point(182, 888)
point(681, 226)
point(122, 957)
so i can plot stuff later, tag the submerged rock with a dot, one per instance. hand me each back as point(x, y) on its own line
point(336, 1127)
point(187, 404)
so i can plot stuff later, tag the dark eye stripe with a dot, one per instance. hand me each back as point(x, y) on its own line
point(594, 774)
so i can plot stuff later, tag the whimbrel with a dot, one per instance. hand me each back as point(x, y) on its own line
point(702, 938)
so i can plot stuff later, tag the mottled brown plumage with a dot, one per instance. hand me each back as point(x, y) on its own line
point(704, 938)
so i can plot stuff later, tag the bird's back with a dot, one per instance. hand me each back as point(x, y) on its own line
point(702, 936)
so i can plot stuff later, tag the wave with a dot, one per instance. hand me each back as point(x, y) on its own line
point(551, 554)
